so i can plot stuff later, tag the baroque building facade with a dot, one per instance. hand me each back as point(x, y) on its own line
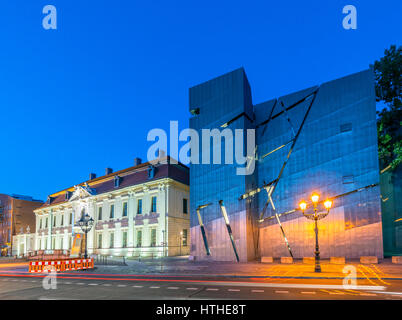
point(142, 211)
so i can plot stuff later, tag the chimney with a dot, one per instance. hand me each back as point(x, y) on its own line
point(92, 176)
point(108, 171)
point(161, 154)
point(137, 161)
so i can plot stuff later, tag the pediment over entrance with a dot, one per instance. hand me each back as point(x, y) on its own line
point(82, 192)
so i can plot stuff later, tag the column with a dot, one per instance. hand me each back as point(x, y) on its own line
point(131, 208)
point(49, 229)
point(91, 234)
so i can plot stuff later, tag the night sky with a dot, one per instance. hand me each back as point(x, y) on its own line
point(83, 97)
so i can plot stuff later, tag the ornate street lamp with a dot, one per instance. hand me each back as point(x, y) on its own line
point(316, 216)
point(86, 223)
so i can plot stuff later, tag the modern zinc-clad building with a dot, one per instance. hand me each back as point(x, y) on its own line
point(322, 139)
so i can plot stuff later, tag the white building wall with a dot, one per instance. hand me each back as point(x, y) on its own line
point(168, 222)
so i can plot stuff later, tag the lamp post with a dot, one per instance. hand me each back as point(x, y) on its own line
point(86, 223)
point(316, 216)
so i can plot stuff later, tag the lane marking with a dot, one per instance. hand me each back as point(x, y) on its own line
point(92, 284)
point(212, 289)
point(285, 285)
point(122, 285)
point(191, 288)
point(366, 276)
point(368, 269)
point(234, 290)
point(368, 294)
point(308, 292)
point(351, 292)
point(173, 288)
point(107, 285)
point(203, 282)
point(138, 286)
point(333, 292)
point(154, 287)
point(281, 291)
point(388, 292)
point(257, 291)
point(80, 283)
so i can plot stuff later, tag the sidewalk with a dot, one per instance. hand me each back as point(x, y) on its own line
point(183, 267)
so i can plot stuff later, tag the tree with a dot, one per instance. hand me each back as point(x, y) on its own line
point(388, 83)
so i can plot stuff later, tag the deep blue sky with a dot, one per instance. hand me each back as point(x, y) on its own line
point(83, 97)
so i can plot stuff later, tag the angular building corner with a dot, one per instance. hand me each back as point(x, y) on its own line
point(320, 139)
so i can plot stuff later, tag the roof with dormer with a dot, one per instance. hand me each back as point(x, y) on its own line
point(163, 168)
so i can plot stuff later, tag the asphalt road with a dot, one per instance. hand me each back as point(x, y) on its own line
point(18, 284)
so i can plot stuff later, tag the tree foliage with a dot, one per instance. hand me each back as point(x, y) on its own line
point(388, 83)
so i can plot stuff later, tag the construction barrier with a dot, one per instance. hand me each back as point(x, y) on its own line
point(61, 265)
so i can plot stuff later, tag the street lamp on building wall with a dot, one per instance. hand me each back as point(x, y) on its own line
point(86, 223)
point(316, 216)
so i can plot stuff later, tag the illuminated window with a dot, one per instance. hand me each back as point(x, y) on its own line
point(124, 209)
point(139, 238)
point(184, 238)
point(124, 242)
point(111, 240)
point(139, 206)
point(112, 211)
point(153, 237)
point(153, 206)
